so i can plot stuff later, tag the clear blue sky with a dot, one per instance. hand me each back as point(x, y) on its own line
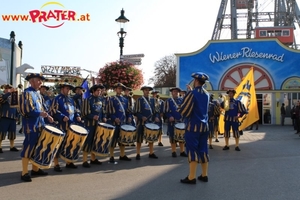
point(157, 28)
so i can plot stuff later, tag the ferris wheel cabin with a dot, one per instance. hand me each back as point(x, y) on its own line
point(283, 33)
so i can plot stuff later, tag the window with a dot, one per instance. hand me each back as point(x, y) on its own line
point(262, 33)
point(285, 32)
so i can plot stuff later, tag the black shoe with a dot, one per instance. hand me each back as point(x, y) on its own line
point(57, 168)
point(188, 181)
point(216, 140)
point(26, 178)
point(132, 145)
point(237, 149)
point(226, 148)
point(210, 147)
point(174, 154)
point(39, 173)
point(183, 154)
point(20, 131)
point(71, 165)
point(96, 162)
point(138, 157)
point(203, 178)
point(86, 164)
point(160, 144)
point(153, 156)
point(1, 151)
point(125, 158)
point(14, 149)
point(112, 160)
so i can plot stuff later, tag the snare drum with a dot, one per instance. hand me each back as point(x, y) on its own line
point(151, 132)
point(47, 147)
point(179, 130)
point(127, 134)
point(73, 142)
point(103, 137)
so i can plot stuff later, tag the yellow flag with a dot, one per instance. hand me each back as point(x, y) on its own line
point(245, 92)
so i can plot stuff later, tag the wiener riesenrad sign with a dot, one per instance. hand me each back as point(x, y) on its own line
point(60, 70)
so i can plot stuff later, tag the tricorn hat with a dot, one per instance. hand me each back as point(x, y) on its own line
point(201, 76)
point(147, 87)
point(34, 75)
point(175, 88)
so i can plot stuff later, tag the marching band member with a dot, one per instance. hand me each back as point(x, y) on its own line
point(195, 109)
point(78, 97)
point(159, 106)
point(33, 114)
point(213, 113)
point(130, 100)
point(171, 110)
point(145, 112)
point(65, 112)
point(8, 117)
point(92, 112)
point(120, 113)
point(236, 110)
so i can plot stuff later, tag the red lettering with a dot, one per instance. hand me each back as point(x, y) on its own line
point(58, 13)
point(71, 15)
point(34, 14)
point(43, 16)
point(5, 17)
point(51, 15)
point(64, 15)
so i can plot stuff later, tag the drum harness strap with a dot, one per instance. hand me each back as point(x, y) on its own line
point(148, 105)
point(122, 108)
point(176, 105)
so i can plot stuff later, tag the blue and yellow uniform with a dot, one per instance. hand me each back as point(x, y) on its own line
point(119, 108)
point(8, 117)
point(92, 111)
point(32, 109)
point(213, 113)
point(195, 109)
point(171, 110)
point(62, 106)
point(31, 105)
point(145, 108)
point(235, 111)
point(91, 107)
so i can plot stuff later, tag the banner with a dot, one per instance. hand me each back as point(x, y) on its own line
point(245, 92)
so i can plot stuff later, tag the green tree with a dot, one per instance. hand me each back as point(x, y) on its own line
point(165, 72)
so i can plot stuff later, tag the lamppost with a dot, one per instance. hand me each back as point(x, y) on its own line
point(122, 20)
point(12, 41)
point(20, 44)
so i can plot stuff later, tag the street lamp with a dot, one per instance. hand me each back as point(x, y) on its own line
point(12, 41)
point(122, 20)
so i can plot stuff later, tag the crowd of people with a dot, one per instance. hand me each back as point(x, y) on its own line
point(191, 117)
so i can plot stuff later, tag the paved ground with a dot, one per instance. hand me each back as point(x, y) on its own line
point(268, 167)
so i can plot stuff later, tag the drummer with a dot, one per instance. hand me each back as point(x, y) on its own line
point(78, 97)
point(65, 112)
point(33, 115)
point(8, 117)
point(159, 104)
point(145, 112)
point(173, 116)
point(120, 113)
point(92, 112)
